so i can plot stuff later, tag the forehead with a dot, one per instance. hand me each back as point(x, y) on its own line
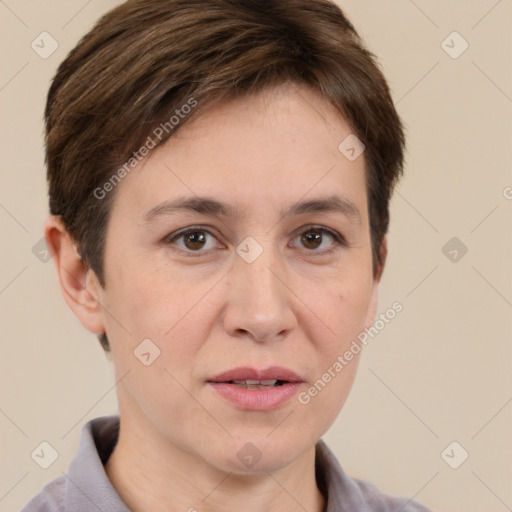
point(257, 151)
point(273, 124)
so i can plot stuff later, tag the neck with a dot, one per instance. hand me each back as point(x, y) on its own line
point(151, 473)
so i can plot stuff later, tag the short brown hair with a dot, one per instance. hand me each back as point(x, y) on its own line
point(147, 58)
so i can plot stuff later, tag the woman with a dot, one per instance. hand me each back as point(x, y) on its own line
point(219, 174)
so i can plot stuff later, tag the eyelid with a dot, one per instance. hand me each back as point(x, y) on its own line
point(339, 239)
point(169, 239)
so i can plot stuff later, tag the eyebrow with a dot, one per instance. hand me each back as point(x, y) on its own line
point(208, 206)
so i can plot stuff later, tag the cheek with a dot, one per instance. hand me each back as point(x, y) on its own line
point(158, 305)
point(341, 306)
point(327, 392)
point(153, 299)
point(161, 307)
point(336, 316)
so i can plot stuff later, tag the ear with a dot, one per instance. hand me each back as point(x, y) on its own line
point(372, 307)
point(78, 284)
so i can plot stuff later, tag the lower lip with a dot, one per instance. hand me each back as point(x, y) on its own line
point(256, 399)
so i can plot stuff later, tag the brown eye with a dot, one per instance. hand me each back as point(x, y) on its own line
point(311, 239)
point(319, 240)
point(194, 240)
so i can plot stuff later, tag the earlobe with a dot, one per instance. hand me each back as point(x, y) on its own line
point(77, 282)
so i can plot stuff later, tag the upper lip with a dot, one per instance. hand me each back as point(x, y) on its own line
point(248, 373)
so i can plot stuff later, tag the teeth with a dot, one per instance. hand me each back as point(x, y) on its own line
point(255, 384)
point(270, 382)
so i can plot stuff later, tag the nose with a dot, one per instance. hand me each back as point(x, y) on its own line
point(259, 300)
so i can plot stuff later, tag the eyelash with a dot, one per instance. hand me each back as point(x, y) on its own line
point(338, 240)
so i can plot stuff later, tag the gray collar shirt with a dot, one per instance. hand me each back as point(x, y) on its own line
point(86, 487)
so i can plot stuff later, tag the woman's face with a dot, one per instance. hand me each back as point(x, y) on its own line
point(240, 251)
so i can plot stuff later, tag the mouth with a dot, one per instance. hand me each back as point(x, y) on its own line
point(251, 376)
point(258, 390)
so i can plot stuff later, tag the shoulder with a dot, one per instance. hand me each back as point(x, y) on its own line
point(49, 499)
point(345, 494)
point(85, 486)
point(380, 502)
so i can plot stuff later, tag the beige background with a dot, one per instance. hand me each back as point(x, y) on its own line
point(440, 372)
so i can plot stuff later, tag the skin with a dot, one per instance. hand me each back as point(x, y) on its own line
point(299, 305)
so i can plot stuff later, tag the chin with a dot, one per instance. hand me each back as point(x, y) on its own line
point(256, 453)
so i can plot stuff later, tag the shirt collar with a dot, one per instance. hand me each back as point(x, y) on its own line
point(340, 491)
point(87, 483)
